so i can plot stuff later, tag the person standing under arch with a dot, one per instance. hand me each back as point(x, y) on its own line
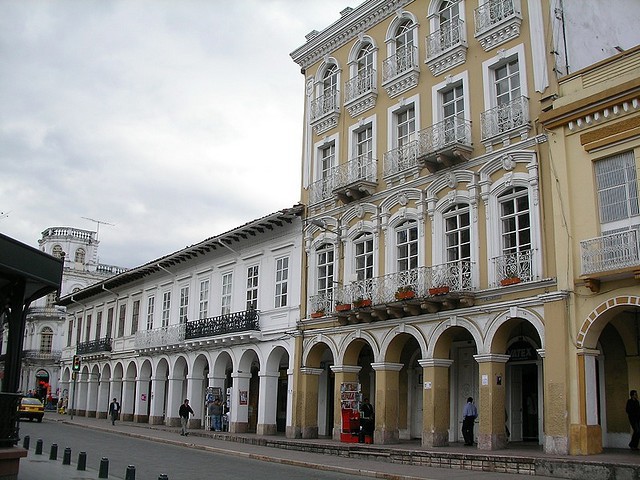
point(633, 412)
point(469, 415)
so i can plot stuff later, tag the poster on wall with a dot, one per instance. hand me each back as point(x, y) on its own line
point(243, 397)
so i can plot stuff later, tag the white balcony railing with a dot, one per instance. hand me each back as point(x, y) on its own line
point(324, 105)
point(610, 252)
point(517, 265)
point(401, 159)
point(361, 84)
point(451, 34)
point(160, 337)
point(493, 13)
point(505, 118)
point(452, 131)
point(321, 189)
point(361, 168)
point(404, 60)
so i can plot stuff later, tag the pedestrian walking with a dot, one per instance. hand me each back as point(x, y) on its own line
point(633, 412)
point(114, 411)
point(469, 415)
point(184, 412)
point(215, 412)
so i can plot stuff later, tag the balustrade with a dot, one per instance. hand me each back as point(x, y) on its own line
point(401, 158)
point(449, 132)
point(41, 355)
point(94, 346)
point(324, 105)
point(610, 252)
point(505, 118)
point(322, 189)
point(159, 337)
point(361, 168)
point(493, 13)
point(404, 60)
point(228, 323)
point(451, 34)
point(364, 82)
point(514, 267)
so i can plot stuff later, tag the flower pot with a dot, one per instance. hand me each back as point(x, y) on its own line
point(439, 290)
point(317, 314)
point(405, 295)
point(366, 302)
point(505, 282)
point(343, 307)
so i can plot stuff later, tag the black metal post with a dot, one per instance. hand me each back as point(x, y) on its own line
point(25, 442)
point(39, 447)
point(82, 461)
point(66, 458)
point(163, 476)
point(131, 473)
point(104, 468)
point(53, 455)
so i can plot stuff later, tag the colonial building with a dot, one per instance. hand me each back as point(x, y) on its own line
point(432, 270)
point(45, 321)
point(216, 318)
point(594, 139)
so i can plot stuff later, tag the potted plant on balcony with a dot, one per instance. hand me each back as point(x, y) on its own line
point(510, 279)
point(405, 293)
point(343, 307)
point(317, 314)
point(361, 302)
point(439, 290)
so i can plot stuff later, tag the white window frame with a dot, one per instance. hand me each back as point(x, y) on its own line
point(437, 92)
point(151, 307)
point(226, 290)
point(392, 119)
point(166, 309)
point(253, 281)
point(98, 324)
point(318, 149)
point(183, 310)
point(281, 282)
point(391, 35)
point(135, 316)
point(400, 225)
point(488, 74)
point(203, 305)
point(631, 218)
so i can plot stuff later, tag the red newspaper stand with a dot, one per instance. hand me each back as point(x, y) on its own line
point(350, 405)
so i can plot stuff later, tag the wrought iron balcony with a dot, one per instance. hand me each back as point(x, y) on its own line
point(160, 337)
point(52, 356)
point(400, 71)
point(411, 292)
point(497, 22)
point(403, 159)
point(505, 119)
point(95, 346)
point(609, 253)
point(324, 111)
point(361, 92)
point(46, 312)
point(514, 268)
point(447, 47)
point(355, 179)
point(321, 190)
point(445, 143)
point(245, 321)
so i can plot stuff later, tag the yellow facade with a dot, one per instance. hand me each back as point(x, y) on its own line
point(434, 266)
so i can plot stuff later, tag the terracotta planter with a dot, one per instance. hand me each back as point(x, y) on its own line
point(366, 302)
point(343, 307)
point(439, 290)
point(505, 282)
point(406, 295)
point(317, 314)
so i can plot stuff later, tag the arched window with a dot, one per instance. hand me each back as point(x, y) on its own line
point(46, 340)
point(449, 12)
point(407, 246)
point(330, 81)
point(80, 255)
point(57, 252)
point(365, 60)
point(404, 36)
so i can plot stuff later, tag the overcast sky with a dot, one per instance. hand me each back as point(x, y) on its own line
point(174, 120)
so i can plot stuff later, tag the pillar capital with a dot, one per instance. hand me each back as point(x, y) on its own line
point(435, 362)
point(268, 374)
point(345, 368)
point(383, 366)
point(491, 357)
point(241, 375)
point(588, 352)
point(311, 371)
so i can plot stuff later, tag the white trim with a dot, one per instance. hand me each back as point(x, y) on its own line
point(450, 82)
point(538, 50)
point(488, 67)
point(356, 127)
point(317, 158)
point(392, 113)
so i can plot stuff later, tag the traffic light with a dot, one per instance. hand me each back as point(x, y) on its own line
point(76, 363)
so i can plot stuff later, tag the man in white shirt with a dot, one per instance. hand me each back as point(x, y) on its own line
point(469, 415)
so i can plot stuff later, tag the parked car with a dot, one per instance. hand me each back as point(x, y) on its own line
point(31, 408)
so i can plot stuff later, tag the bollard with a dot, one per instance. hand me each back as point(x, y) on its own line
point(163, 476)
point(131, 473)
point(104, 468)
point(39, 447)
point(54, 452)
point(66, 458)
point(25, 443)
point(82, 461)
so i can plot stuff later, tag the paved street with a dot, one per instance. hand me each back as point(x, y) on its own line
point(195, 457)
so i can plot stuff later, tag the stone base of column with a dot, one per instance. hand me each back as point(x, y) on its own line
point(492, 441)
point(141, 418)
point(556, 445)
point(435, 439)
point(100, 415)
point(384, 437)
point(194, 424)
point(81, 413)
point(126, 417)
point(173, 422)
point(91, 414)
point(310, 432)
point(266, 429)
point(585, 439)
point(156, 420)
point(239, 427)
point(293, 432)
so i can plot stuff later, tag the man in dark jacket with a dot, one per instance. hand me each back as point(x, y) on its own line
point(114, 411)
point(184, 412)
point(633, 411)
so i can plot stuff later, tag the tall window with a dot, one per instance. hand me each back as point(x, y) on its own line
point(457, 233)
point(515, 220)
point(330, 82)
point(282, 281)
point(166, 309)
point(365, 60)
point(364, 256)
point(327, 159)
point(453, 112)
point(183, 312)
point(98, 325)
point(252, 287)
point(121, 319)
point(405, 126)
point(203, 309)
point(135, 314)
point(151, 308)
point(617, 185)
point(79, 331)
point(87, 332)
point(46, 340)
point(109, 332)
point(507, 82)
point(325, 256)
point(69, 332)
point(449, 16)
point(404, 37)
point(80, 255)
point(407, 246)
point(363, 150)
point(227, 284)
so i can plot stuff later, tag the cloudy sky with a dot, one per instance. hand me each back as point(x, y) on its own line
point(173, 120)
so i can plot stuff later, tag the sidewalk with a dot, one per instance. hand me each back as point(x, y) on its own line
point(405, 461)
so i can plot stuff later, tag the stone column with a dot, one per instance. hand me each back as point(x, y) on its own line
point(586, 436)
point(195, 394)
point(92, 396)
point(267, 403)
point(115, 390)
point(491, 404)
point(157, 413)
point(289, 421)
point(435, 402)
point(127, 403)
point(142, 401)
point(103, 399)
point(174, 400)
point(81, 395)
point(308, 401)
point(239, 421)
point(386, 407)
point(343, 373)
